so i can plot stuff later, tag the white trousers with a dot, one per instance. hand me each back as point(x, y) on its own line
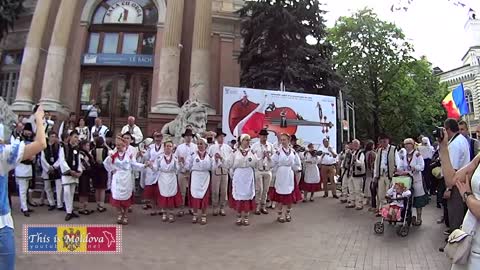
point(219, 190)
point(355, 187)
point(58, 189)
point(262, 183)
point(68, 195)
point(23, 184)
point(345, 182)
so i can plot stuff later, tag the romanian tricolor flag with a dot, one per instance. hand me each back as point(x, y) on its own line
point(455, 103)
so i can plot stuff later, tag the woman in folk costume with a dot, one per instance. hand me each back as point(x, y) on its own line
point(121, 164)
point(100, 181)
point(285, 162)
point(149, 179)
point(134, 153)
point(200, 164)
point(271, 190)
point(86, 160)
point(243, 163)
point(71, 171)
point(311, 179)
point(82, 129)
point(413, 165)
point(168, 165)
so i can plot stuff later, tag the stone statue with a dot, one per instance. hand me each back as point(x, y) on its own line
point(192, 114)
point(8, 118)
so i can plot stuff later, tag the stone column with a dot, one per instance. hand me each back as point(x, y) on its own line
point(200, 67)
point(52, 80)
point(166, 95)
point(31, 56)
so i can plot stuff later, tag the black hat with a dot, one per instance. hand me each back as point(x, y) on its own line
point(28, 127)
point(263, 132)
point(188, 132)
point(109, 134)
point(293, 137)
point(220, 132)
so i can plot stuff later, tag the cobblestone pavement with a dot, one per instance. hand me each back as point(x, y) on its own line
point(323, 235)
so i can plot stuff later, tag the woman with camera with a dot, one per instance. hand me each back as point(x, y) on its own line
point(467, 180)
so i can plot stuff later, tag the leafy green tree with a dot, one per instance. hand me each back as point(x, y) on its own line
point(9, 10)
point(275, 48)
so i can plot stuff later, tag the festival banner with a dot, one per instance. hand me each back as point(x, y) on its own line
point(72, 239)
point(310, 117)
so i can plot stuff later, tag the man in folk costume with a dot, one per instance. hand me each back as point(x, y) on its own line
point(50, 161)
point(17, 133)
point(385, 166)
point(71, 172)
point(220, 174)
point(98, 129)
point(184, 151)
point(345, 163)
point(149, 180)
point(263, 172)
point(24, 172)
point(327, 169)
point(133, 129)
point(357, 174)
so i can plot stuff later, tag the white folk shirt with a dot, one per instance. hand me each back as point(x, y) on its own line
point(185, 151)
point(243, 180)
point(327, 157)
point(415, 168)
point(83, 133)
point(259, 149)
point(152, 154)
point(200, 179)
point(168, 168)
point(12, 155)
point(46, 166)
point(384, 160)
point(122, 179)
point(285, 162)
point(102, 131)
point(426, 151)
point(225, 152)
point(135, 131)
point(64, 167)
point(312, 173)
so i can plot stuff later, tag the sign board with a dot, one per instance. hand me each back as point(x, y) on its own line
point(111, 59)
point(309, 117)
point(124, 12)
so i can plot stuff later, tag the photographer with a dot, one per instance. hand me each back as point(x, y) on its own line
point(459, 156)
point(467, 185)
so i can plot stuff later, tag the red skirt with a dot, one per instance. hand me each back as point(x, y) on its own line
point(170, 202)
point(310, 187)
point(121, 203)
point(242, 206)
point(151, 192)
point(291, 198)
point(199, 203)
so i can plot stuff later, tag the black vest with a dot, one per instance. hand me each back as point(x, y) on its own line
point(72, 157)
point(104, 153)
point(51, 154)
point(27, 140)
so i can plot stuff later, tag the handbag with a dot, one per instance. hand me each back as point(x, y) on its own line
point(459, 245)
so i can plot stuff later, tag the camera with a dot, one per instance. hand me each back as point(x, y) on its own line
point(438, 133)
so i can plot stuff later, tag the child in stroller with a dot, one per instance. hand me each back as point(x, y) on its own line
point(399, 208)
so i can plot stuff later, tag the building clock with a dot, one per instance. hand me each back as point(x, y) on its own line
point(124, 12)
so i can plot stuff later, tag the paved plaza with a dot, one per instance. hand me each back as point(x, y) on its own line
point(323, 235)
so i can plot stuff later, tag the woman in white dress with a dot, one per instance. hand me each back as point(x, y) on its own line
point(285, 162)
point(468, 183)
point(201, 165)
point(121, 164)
point(83, 131)
point(168, 166)
point(311, 179)
point(242, 162)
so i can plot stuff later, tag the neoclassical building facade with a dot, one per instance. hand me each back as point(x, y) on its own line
point(468, 74)
point(137, 57)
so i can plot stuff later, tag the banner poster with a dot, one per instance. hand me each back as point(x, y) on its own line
point(310, 117)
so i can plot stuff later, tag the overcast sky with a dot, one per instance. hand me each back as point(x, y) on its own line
point(435, 27)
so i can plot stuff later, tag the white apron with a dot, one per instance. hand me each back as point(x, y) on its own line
point(200, 180)
point(167, 177)
point(122, 185)
point(243, 187)
point(312, 174)
point(284, 182)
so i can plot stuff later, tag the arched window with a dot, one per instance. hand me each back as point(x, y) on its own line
point(469, 98)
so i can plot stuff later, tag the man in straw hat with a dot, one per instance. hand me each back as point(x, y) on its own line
point(263, 172)
point(183, 152)
point(220, 175)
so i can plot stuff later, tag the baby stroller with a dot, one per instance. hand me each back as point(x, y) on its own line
point(406, 212)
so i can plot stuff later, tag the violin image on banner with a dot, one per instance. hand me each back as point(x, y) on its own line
point(275, 119)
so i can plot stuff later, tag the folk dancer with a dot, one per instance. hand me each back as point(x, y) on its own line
point(100, 181)
point(263, 171)
point(149, 180)
point(98, 129)
point(311, 179)
point(220, 174)
point(200, 164)
point(385, 166)
point(413, 165)
point(168, 165)
point(285, 163)
point(71, 169)
point(121, 164)
point(356, 175)
point(183, 152)
point(50, 161)
point(327, 169)
point(243, 162)
point(24, 172)
point(134, 152)
point(271, 190)
point(86, 160)
point(134, 130)
point(345, 162)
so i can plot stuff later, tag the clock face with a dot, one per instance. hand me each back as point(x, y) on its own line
point(125, 12)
